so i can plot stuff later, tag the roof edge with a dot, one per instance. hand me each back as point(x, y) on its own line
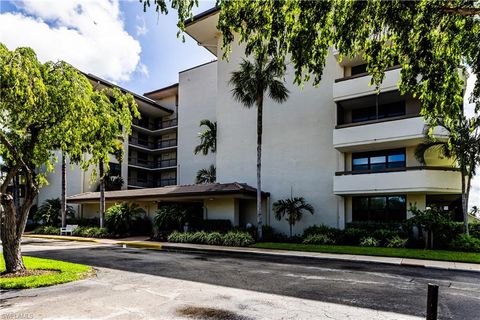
point(135, 95)
point(161, 89)
point(202, 15)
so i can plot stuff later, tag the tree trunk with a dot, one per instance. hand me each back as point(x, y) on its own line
point(259, 166)
point(102, 193)
point(464, 205)
point(10, 241)
point(63, 208)
point(291, 227)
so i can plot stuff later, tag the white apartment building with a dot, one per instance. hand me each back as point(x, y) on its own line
point(348, 151)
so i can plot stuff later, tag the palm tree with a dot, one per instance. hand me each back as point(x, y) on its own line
point(292, 209)
point(208, 138)
point(250, 83)
point(462, 146)
point(207, 175)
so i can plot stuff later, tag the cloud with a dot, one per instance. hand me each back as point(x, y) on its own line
point(141, 29)
point(90, 35)
point(143, 70)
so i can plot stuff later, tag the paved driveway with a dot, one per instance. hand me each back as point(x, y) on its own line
point(136, 284)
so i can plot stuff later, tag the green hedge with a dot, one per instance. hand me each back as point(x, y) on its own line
point(232, 238)
point(91, 232)
point(47, 230)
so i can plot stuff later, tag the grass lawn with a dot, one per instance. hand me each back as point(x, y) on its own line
point(443, 255)
point(63, 272)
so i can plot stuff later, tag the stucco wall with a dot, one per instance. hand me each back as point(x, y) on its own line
point(298, 156)
point(222, 208)
point(197, 101)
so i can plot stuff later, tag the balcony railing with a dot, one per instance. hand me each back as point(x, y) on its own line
point(151, 183)
point(161, 144)
point(423, 179)
point(415, 168)
point(160, 124)
point(166, 163)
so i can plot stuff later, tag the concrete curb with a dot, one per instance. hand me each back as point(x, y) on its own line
point(407, 262)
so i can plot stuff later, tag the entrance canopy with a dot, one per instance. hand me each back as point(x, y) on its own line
point(173, 193)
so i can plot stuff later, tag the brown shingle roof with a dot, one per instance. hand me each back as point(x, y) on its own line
point(193, 190)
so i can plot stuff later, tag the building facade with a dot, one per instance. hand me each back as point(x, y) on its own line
point(346, 149)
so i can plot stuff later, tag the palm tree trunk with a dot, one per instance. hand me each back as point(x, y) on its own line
point(102, 193)
point(291, 227)
point(464, 205)
point(63, 208)
point(259, 165)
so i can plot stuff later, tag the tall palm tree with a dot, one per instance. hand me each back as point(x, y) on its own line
point(462, 145)
point(250, 83)
point(293, 209)
point(207, 175)
point(208, 138)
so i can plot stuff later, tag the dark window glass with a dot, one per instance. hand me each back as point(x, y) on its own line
point(362, 68)
point(391, 110)
point(364, 114)
point(396, 160)
point(360, 164)
point(378, 163)
point(379, 160)
point(142, 176)
point(379, 208)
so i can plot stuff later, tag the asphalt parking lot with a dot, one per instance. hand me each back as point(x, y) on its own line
point(139, 283)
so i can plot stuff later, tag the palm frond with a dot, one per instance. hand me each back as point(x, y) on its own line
point(206, 175)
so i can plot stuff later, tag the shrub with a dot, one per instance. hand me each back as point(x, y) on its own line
point(238, 239)
point(232, 238)
point(466, 243)
point(318, 239)
point(91, 232)
point(47, 230)
point(397, 242)
point(200, 237)
point(321, 229)
point(353, 236)
point(369, 242)
point(49, 213)
point(215, 239)
point(384, 235)
point(121, 218)
point(171, 217)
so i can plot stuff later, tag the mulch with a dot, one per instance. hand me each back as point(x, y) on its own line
point(27, 273)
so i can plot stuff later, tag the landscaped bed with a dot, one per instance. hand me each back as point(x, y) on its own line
point(42, 272)
point(443, 255)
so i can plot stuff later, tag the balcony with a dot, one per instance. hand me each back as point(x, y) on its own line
point(161, 145)
point(358, 85)
point(153, 165)
point(157, 128)
point(385, 133)
point(398, 180)
point(151, 183)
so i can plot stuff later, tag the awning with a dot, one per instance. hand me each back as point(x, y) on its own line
point(181, 192)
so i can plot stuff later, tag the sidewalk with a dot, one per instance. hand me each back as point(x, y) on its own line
point(143, 242)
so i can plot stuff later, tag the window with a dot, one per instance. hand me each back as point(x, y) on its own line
point(142, 176)
point(379, 208)
point(378, 160)
point(362, 68)
point(388, 110)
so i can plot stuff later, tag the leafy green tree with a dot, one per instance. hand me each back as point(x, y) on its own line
point(208, 138)
point(45, 107)
point(430, 39)
point(116, 111)
point(250, 83)
point(292, 209)
point(462, 145)
point(206, 175)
